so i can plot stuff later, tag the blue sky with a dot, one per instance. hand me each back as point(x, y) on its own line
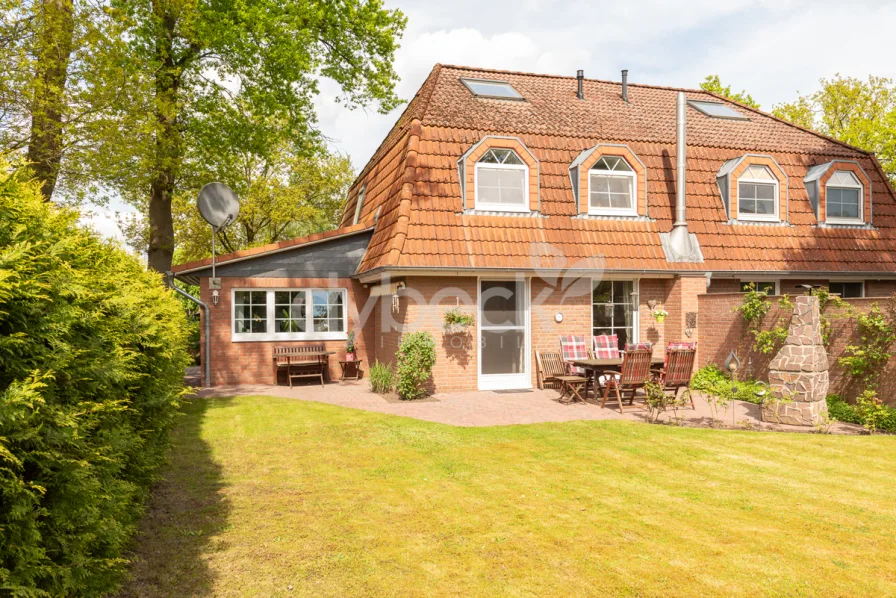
point(773, 49)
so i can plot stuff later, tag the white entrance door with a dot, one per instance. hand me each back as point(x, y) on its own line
point(504, 334)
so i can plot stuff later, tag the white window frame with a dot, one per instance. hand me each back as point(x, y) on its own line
point(777, 201)
point(861, 282)
point(271, 335)
point(633, 211)
point(758, 281)
point(491, 207)
point(861, 188)
point(636, 309)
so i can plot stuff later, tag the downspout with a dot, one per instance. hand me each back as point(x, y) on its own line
point(207, 357)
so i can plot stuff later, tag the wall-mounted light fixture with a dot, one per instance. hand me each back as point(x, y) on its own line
point(558, 317)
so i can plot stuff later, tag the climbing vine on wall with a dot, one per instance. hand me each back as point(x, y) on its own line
point(877, 332)
point(753, 310)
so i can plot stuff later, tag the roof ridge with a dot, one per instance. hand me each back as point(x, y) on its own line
point(787, 122)
point(668, 88)
point(570, 77)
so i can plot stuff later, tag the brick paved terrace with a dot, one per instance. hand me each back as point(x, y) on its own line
point(490, 408)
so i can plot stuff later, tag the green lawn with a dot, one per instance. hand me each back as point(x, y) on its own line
point(277, 497)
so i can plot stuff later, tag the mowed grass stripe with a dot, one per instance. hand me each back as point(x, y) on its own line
point(267, 494)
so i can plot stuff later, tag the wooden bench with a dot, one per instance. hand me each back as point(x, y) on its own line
point(308, 361)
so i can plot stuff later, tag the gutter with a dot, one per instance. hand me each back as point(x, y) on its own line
point(206, 361)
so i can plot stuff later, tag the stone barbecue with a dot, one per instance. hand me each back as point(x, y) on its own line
point(799, 372)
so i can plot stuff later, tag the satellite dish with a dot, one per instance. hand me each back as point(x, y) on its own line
point(218, 204)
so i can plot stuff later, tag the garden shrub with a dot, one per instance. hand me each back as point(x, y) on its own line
point(712, 380)
point(382, 378)
point(92, 356)
point(416, 357)
point(868, 411)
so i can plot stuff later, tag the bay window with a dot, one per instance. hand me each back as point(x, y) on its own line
point(289, 314)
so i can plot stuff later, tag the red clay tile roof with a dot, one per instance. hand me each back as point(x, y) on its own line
point(412, 184)
point(228, 257)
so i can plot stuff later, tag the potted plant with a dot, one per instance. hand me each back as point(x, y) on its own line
point(350, 346)
point(659, 315)
point(456, 321)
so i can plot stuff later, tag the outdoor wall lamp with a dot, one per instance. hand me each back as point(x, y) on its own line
point(558, 317)
point(635, 300)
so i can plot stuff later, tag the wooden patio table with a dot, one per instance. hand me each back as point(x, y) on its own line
point(598, 366)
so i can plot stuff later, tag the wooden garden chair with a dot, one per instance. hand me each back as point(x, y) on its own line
point(635, 371)
point(552, 369)
point(677, 371)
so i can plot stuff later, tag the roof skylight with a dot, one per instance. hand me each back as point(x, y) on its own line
point(717, 110)
point(484, 88)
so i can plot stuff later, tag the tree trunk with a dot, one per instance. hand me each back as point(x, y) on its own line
point(167, 149)
point(54, 47)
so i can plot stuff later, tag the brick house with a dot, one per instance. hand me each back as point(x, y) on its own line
point(546, 205)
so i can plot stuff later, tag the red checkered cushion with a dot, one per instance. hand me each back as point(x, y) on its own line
point(573, 347)
point(606, 346)
point(636, 346)
point(674, 345)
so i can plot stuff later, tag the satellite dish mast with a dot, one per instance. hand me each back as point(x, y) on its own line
point(219, 206)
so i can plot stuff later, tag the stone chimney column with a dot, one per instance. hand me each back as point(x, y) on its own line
point(799, 372)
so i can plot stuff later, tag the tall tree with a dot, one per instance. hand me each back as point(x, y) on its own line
point(282, 196)
point(861, 113)
point(53, 48)
point(713, 84)
point(234, 75)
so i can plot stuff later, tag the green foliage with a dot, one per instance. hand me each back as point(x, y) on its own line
point(713, 84)
point(875, 415)
point(350, 342)
point(282, 196)
point(868, 411)
point(92, 356)
point(713, 381)
point(861, 113)
point(753, 309)
point(877, 331)
point(456, 317)
point(382, 378)
point(416, 358)
point(825, 298)
point(658, 401)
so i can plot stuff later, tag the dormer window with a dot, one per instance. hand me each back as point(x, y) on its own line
point(757, 194)
point(502, 181)
point(844, 192)
point(612, 187)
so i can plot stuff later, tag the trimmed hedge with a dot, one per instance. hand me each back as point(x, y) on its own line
point(92, 356)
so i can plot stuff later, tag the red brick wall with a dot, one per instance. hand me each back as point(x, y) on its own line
point(251, 362)
point(790, 286)
point(723, 330)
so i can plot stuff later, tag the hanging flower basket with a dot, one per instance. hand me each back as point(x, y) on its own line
point(660, 315)
point(457, 321)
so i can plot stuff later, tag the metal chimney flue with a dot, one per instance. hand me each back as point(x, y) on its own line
point(678, 244)
point(580, 79)
point(625, 85)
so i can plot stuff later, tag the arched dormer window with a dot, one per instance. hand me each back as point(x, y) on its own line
point(757, 194)
point(502, 181)
point(844, 193)
point(612, 187)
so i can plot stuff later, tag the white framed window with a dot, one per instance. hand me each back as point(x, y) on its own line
point(847, 290)
point(289, 314)
point(844, 195)
point(502, 182)
point(614, 311)
point(757, 194)
point(769, 287)
point(612, 187)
